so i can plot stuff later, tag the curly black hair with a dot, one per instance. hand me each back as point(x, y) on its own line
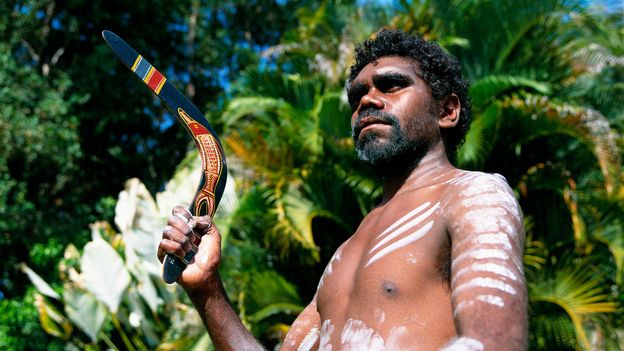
point(441, 71)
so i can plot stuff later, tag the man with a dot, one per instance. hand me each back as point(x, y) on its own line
point(436, 265)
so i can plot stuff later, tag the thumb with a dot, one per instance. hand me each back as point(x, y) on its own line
point(209, 250)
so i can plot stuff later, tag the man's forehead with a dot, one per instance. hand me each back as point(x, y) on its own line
point(390, 64)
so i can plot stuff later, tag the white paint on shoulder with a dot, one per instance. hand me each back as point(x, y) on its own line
point(309, 340)
point(489, 219)
point(463, 344)
point(356, 335)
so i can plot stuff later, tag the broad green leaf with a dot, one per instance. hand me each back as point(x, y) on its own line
point(85, 311)
point(139, 220)
point(105, 274)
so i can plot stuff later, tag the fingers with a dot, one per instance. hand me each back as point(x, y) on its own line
point(184, 215)
point(184, 232)
point(178, 237)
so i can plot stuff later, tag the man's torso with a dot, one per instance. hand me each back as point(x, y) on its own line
point(387, 287)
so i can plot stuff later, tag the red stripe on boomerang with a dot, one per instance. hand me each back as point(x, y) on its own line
point(155, 80)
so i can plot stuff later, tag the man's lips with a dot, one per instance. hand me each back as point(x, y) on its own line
point(369, 121)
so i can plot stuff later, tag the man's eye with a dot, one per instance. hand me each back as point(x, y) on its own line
point(391, 85)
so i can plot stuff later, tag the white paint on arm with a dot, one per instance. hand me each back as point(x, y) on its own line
point(487, 276)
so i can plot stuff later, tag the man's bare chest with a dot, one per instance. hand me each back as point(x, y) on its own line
point(394, 256)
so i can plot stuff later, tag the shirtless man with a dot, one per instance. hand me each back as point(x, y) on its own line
point(437, 265)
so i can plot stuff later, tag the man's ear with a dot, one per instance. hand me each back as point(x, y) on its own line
point(450, 108)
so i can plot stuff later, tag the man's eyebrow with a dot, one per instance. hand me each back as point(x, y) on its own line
point(393, 76)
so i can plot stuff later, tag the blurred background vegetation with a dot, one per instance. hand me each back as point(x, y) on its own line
point(76, 129)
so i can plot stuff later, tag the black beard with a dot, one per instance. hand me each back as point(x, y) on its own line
point(398, 154)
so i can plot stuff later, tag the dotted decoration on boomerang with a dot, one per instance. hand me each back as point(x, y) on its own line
point(210, 155)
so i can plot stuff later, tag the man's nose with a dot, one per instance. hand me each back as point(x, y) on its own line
point(372, 99)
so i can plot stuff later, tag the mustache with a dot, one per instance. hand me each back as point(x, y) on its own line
point(383, 117)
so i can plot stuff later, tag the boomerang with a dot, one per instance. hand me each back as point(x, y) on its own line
point(214, 168)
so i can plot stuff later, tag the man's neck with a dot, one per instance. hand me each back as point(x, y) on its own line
point(434, 164)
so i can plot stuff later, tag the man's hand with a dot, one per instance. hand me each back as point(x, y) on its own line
point(202, 271)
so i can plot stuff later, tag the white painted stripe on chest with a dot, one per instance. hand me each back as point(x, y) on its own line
point(409, 215)
point(409, 225)
point(402, 242)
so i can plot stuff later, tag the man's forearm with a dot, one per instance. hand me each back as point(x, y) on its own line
point(226, 330)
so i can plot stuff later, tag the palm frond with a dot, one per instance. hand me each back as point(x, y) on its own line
point(574, 287)
point(480, 138)
point(255, 108)
point(547, 117)
point(269, 294)
point(294, 214)
point(492, 86)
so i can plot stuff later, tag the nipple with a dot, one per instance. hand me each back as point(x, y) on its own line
point(389, 288)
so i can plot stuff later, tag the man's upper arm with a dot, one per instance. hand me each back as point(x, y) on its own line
point(488, 289)
point(304, 333)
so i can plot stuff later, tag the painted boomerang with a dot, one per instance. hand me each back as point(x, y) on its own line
point(214, 175)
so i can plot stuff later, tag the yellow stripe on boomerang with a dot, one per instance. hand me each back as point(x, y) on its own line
point(160, 85)
point(149, 74)
point(136, 63)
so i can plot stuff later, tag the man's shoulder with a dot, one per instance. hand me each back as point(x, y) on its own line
point(474, 188)
point(470, 190)
point(463, 177)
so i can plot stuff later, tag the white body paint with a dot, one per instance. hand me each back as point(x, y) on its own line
point(486, 267)
point(327, 329)
point(356, 335)
point(483, 282)
point(309, 340)
point(464, 344)
point(400, 227)
point(330, 266)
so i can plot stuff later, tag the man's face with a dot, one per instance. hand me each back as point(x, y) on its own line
point(393, 123)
